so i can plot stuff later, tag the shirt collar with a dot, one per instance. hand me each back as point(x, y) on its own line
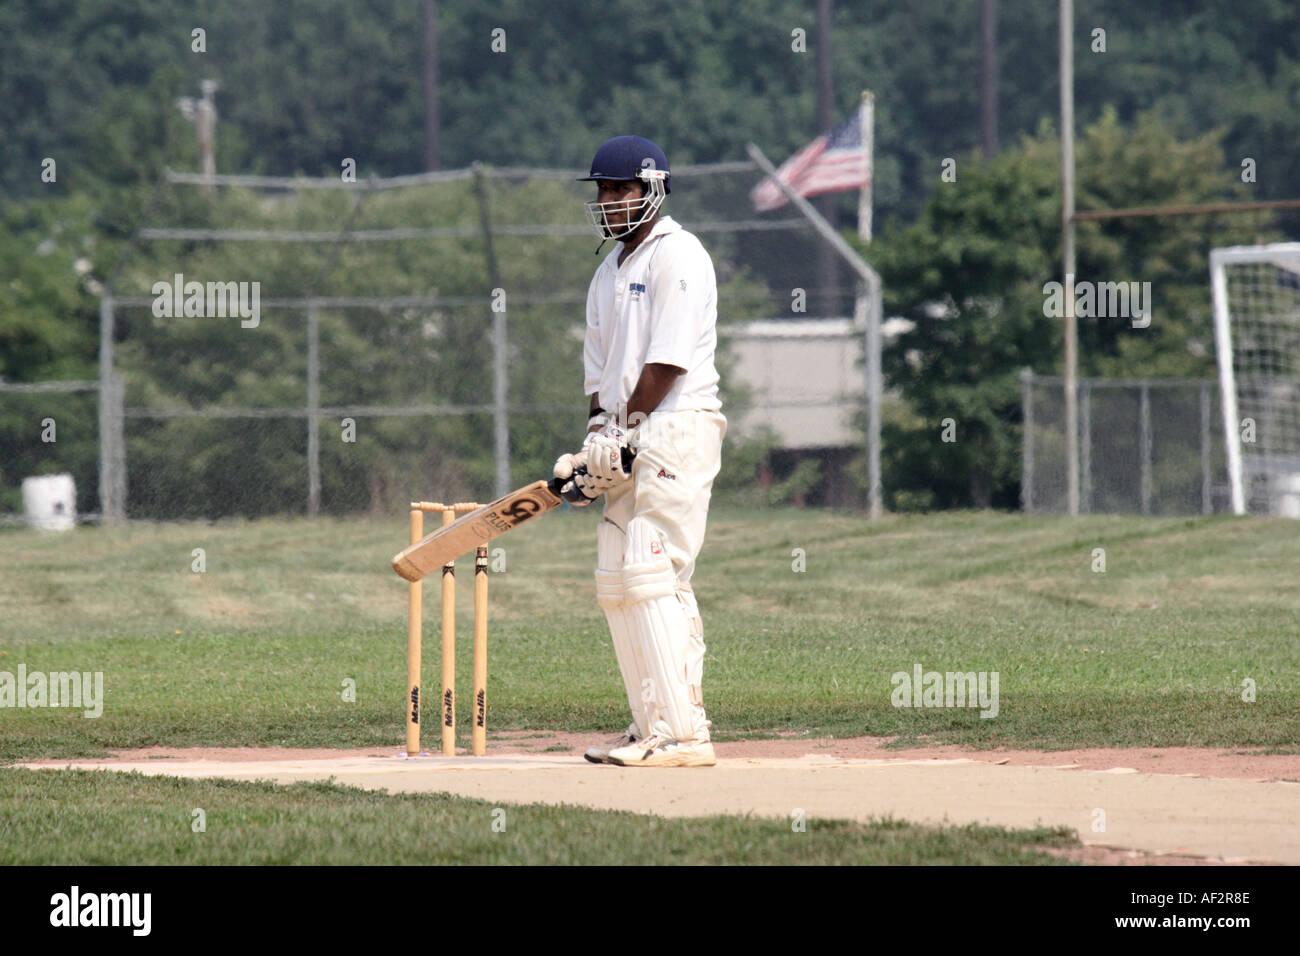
point(662, 227)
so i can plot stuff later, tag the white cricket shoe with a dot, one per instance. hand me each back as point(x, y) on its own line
point(659, 751)
point(600, 754)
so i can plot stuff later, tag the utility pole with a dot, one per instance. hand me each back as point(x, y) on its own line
point(989, 78)
point(429, 65)
point(827, 267)
point(1067, 257)
point(203, 114)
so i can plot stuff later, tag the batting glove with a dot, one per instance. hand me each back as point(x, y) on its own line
point(605, 454)
point(578, 488)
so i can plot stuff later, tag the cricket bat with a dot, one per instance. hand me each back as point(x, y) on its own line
point(491, 521)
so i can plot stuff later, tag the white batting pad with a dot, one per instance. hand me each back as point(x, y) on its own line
point(609, 595)
point(661, 632)
point(694, 648)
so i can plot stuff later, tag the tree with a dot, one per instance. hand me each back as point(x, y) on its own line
point(971, 276)
point(48, 330)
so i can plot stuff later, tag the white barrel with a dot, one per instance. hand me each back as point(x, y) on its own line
point(50, 502)
point(1286, 500)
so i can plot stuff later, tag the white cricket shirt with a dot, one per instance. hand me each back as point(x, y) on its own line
point(660, 306)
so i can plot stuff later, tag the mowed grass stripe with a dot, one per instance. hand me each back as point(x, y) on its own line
point(257, 649)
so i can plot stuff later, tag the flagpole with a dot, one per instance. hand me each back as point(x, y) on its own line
point(866, 123)
point(866, 314)
point(1067, 257)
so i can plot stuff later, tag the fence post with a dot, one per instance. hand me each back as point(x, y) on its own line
point(112, 436)
point(1144, 432)
point(1027, 441)
point(1085, 445)
point(867, 309)
point(114, 399)
point(1207, 502)
point(313, 411)
point(500, 365)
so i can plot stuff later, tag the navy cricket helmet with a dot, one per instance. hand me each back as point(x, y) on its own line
point(624, 159)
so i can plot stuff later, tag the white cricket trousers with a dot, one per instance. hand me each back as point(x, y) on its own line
point(647, 544)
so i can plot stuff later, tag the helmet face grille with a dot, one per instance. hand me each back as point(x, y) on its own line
point(639, 211)
point(628, 159)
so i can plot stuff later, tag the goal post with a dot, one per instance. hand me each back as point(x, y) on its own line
point(1255, 292)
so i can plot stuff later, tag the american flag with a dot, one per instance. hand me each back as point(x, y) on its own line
point(833, 162)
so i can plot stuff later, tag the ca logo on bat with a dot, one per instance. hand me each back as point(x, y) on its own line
point(521, 510)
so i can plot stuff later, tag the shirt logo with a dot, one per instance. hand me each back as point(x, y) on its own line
point(636, 288)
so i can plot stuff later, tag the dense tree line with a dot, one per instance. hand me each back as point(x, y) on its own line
point(92, 82)
point(1167, 113)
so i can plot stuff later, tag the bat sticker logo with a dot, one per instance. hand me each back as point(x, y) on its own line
point(522, 510)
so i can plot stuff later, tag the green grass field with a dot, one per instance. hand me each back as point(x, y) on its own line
point(81, 817)
point(256, 650)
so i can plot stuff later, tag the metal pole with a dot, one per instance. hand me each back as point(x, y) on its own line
point(500, 364)
point(105, 440)
point(432, 107)
point(1144, 439)
point(1227, 382)
point(313, 412)
point(500, 397)
point(867, 123)
point(205, 118)
point(117, 406)
point(112, 450)
point(989, 78)
point(875, 395)
point(1207, 502)
point(827, 302)
point(112, 455)
point(1085, 445)
point(867, 310)
point(1027, 441)
point(1067, 255)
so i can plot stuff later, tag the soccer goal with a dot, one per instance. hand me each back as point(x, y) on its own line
point(1256, 293)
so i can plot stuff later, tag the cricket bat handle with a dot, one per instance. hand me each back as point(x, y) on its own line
point(573, 494)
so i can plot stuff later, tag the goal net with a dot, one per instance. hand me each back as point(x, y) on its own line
point(1256, 293)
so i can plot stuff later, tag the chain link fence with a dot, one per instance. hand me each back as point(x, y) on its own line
point(279, 346)
point(1146, 446)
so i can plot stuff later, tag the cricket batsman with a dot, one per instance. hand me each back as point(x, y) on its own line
point(649, 369)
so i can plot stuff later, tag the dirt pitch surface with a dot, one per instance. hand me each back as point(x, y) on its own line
point(1174, 805)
